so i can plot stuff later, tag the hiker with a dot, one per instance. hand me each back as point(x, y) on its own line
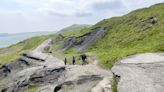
point(65, 61)
point(73, 60)
point(84, 57)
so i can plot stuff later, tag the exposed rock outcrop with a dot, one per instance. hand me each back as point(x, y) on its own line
point(90, 39)
point(34, 76)
point(69, 42)
point(85, 41)
point(28, 64)
point(140, 73)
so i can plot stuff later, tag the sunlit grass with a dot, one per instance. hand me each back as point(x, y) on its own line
point(13, 52)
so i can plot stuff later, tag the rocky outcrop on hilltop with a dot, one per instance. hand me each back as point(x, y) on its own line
point(140, 73)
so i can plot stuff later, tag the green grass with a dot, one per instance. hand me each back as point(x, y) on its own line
point(76, 33)
point(74, 27)
point(32, 89)
point(127, 35)
point(13, 52)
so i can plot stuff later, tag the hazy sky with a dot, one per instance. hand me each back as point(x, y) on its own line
point(51, 15)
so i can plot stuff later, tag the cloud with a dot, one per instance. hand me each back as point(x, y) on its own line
point(135, 4)
point(108, 5)
point(83, 14)
point(50, 15)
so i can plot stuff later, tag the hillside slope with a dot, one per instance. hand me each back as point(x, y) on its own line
point(108, 41)
point(130, 34)
point(13, 52)
point(74, 27)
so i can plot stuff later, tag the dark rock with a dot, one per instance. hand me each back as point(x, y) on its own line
point(4, 90)
point(40, 77)
point(153, 20)
point(28, 55)
point(84, 79)
point(57, 88)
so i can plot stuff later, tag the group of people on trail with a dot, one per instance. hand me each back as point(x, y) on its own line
point(83, 58)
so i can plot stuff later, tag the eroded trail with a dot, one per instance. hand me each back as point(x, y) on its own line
point(51, 75)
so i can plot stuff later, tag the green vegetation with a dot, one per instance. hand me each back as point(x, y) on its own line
point(77, 33)
point(126, 35)
point(13, 52)
point(32, 89)
point(75, 27)
point(131, 34)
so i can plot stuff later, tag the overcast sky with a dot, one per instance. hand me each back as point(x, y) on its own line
point(50, 15)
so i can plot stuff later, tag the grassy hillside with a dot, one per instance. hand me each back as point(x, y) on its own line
point(13, 52)
point(75, 27)
point(131, 34)
point(127, 35)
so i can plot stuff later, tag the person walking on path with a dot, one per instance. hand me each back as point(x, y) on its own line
point(65, 61)
point(73, 60)
point(84, 57)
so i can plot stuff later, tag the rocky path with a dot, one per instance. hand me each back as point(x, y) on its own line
point(52, 75)
point(78, 78)
point(141, 73)
point(41, 54)
point(137, 73)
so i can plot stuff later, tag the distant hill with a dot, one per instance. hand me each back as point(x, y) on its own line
point(75, 27)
